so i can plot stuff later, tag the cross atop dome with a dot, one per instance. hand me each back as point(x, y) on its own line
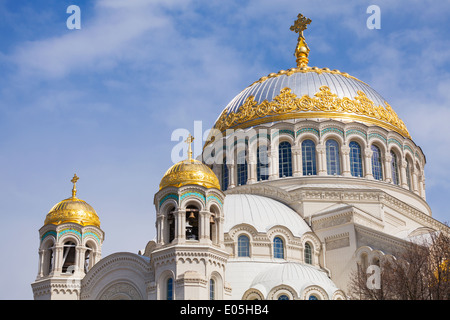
point(302, 50)
point(189, 140)
point(74, 181)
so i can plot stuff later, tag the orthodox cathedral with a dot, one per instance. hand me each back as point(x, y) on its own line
point(307, 173)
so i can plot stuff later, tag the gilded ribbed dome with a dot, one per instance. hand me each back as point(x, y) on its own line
point(189, 171)
point(308, 93)
point(72, 210)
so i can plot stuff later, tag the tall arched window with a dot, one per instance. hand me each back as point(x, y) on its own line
point(283, 297)
point(355, 159)
point(278, 248)
point(408, 175)
point(242, 172)
point(285, 159)
point(212, 289)
point(224, 174)
point(394, 168)
point(309, 157)
point(169, 289)
point(377, 169)
point(243, 246)
point(262, 164)
point(333, 161)
point(308, 253)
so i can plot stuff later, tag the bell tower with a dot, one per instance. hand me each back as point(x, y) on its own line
point(70, 244)
point(189, 257)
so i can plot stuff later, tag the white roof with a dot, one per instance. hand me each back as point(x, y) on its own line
point(296, 275)
point(262, 213)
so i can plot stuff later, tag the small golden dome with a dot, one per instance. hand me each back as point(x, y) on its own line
point(72, 210)
point(189, 171)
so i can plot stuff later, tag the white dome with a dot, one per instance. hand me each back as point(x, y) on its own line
point(262, 213)
point(295, 275)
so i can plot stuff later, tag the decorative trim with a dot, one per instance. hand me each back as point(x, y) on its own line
point(356, 131)
point(377, 135)
point(48, 233)
point(312, 130)
point(64, 231)
point(393, 140)
point(194, 194)
point(214, 197)
point(336, 130)
point(168, 196)
point(324, 104)
point(283, 131)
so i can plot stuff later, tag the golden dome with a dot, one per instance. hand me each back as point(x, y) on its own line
point(72, 210)
point(189, 171)
point(308, 93)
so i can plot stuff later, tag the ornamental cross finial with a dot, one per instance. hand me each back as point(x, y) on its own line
point(74, 181)
point(302, 50)
point(189, 140)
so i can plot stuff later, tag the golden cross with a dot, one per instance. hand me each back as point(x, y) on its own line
point(300, 24)
point(189, 140)
point(302, 50)
point(74, 181)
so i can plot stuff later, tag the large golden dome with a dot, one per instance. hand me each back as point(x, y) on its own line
point(72, 210)
point(189, 171)
point(308, 93)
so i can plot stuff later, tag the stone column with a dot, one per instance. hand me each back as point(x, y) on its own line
point(231, 175)
point(345, 151)
point(296, 161)
point(368, 163)
point(322, 161)
point(251, 169)
point(41, 263)
point(58, 259)
point(203, 231)
point(404, 181)
point(387, 167)
point(273, 164)
point(180, 226)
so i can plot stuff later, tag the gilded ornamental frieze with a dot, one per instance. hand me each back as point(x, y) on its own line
point(324, 104)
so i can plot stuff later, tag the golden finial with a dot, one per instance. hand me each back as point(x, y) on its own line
point(302, 50)
point(189, 140)
point(74, 181)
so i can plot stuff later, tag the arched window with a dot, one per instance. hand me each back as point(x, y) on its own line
point(394, 168)
point(243, 246)
point(242, 172)
point(224, 174)
point(408, 175)
point(377, 169)
point(87, 259)
point(69, 264)
point(283, 297)
point(333, 161)
point(285, 159)
point(48, 259)
point(192, 222)
point(309, 157)
point(212, 289)
point(308, 253)
point(278, 248)
point(169, 289)
point(312, 297)
point(355, 159)
point(262, 164)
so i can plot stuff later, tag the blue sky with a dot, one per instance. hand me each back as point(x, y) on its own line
point(104, 100)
